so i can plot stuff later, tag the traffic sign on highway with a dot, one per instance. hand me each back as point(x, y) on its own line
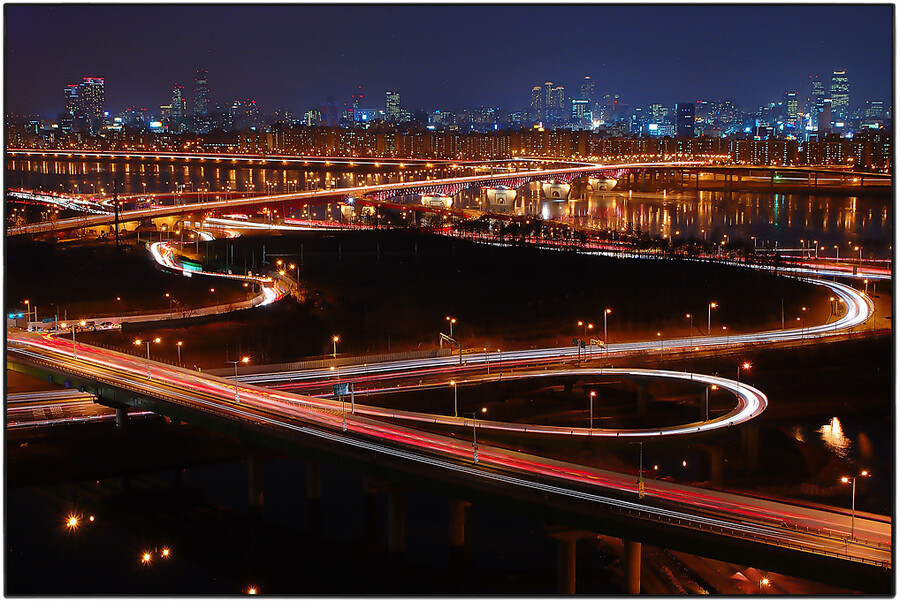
point(342, 389)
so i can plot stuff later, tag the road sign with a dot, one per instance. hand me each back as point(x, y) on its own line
point(574, 341)
point(342, 389)
point(641, 488)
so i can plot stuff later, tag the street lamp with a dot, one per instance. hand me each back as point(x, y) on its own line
point(243, 360)
point(852, 480)
point(334, 341)
point(837, 253)
point(713, 387)
point(74, 350)
point(178, 346)
point(606, 312)
point(592, 396)
point(455, 414)
point(452, 322)
point(474, 437)
point(691, 331)
point(762, 582)
point(744, 366)
point(138, 342)
point(711, 307)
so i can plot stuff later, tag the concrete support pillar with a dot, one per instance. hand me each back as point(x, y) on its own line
point(370, 489)
point(395, 520)
point(457, 531)
point(750, 446)
point(254, 482)
point(716, 466)
point(459, 550)
point(632, 567)
point(642, 398)
point(565, 567)
point(314, 497)
point(121, 417)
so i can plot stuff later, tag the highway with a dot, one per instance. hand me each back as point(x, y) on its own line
point(772, 523)
point(55, 408)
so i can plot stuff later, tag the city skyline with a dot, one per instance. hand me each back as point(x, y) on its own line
point(472, 71)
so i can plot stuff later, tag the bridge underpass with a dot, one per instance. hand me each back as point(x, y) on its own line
point(551, 501)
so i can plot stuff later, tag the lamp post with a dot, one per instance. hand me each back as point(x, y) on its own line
point(659, 334)
point(762, 582)
point(606, 312)
point(243, 360)
point(706, 412)
point(852, 481)
point(712, 306)
point(474, 437)
point(455, 413)
point(178, 346)
point(640, 482)
point(744, 366)
point(837, 252)
point(452, 322)
point(138, 342)
point(691, 331)
point(74, 349)
point(335, 340)
point(592, 396)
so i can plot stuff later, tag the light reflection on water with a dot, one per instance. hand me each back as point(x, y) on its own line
point(791, 220)
point(834, 439)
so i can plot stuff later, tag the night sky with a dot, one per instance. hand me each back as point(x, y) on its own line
point(441, 56)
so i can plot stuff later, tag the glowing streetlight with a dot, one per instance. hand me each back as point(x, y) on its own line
point(335, 340)
point(852, 480)
point(455, 414)
point(178, 346)
point(606, 312)
point(711, 307)
point(452, 322)
point(138, 342)
point(243, 360)
point(762, 582)
point(744, 366)
point(592, 396)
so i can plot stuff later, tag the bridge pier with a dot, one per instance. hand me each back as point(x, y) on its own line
point(314, 497)
point(565, 561)
point(642, 397)
point(370, 491)
point(750, 446)
point(395, 520)
point(121, 417)
point(457, 537)
point(632, 566)
point(254, 483)
point(716, 466)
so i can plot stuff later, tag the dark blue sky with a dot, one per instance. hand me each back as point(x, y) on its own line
point(441, 56)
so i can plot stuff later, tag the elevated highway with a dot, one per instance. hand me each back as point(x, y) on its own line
point(775, 535)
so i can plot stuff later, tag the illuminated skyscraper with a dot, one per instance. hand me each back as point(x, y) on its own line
point(201, 93)
point(685, 120)
point(789, 106)
point(93, 99)
point(392, 106)
point(817, 98)
point(587, 91)
point(176, 113)
point(840, 94)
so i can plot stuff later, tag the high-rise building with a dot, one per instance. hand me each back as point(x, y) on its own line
point(72, 94)
point(537, 103)
point(875, 109)
point(685, 120)
point(176, 113)
point(587, 90)
point(580, 109)
point(201, 93)
point(824, 119)
point(93, 100)
point(392, 106)
point(840, 93)
point(789, 106)
point(817, 96)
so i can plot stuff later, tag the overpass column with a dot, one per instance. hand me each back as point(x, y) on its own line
point(254, 481)
point(395, 520)
point(314, 496)
point(121, 417)
point(632, 567)
point(750, 446)
point(370, 489)
point(457, 535)
point(565, 562)
point(716, 466)
point(642, 398)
